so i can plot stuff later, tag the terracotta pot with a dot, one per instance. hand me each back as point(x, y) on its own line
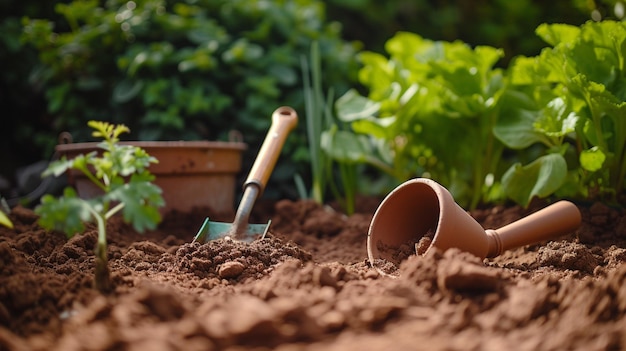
point(422, 207)
point(190, 173)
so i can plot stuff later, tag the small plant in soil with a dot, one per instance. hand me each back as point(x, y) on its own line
point(4, 220)
point(121, 172)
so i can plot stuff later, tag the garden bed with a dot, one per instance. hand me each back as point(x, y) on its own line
point(308, 286)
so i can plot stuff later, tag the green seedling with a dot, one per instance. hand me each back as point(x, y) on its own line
point(4, 210)
point(121, 172)
point(5, 221)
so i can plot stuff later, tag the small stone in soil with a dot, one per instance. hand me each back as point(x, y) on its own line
point(424, 243)
point(385, 266)
point(231, 269)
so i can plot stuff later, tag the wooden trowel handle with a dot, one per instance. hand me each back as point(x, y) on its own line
point(284, 119)
point(555, 220)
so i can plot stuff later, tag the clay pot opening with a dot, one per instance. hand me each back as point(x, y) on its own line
point(403, 219)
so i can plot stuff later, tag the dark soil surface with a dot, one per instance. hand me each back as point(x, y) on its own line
point(308, 286)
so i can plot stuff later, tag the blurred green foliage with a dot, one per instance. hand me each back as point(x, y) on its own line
point(503, 24)
point(199, 68)
point(182, 70)
point(550, 125)
point(22, 108)
point(430, 111)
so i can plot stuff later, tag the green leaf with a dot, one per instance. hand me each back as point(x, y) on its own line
point(57, 97)
point(351, 106)
point(140, 59)
point(375, 127)
point(540, 178)
point(346, 147)
point(377, 74)
point(556, 119)
point(127, 90)
point(528, 70)
point(607, 114)
point(66, 214)
point(557, 33)
point(5, 221)
point(592, 159)
point(141, 199)
point(404, 44)
point(59, 167)
point(487, 57)
point(242, 51)
point(201, 59)
point(516, 129)
point(284, 74)
point(516, 126)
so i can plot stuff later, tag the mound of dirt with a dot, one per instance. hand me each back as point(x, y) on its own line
point(308, 286)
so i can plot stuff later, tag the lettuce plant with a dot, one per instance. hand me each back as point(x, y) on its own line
point(430, 111)
point(571, 100)
point(121, 172)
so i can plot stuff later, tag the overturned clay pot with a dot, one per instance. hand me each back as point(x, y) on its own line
point(421, 214)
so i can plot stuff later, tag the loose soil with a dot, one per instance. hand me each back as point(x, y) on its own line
point(308, 286)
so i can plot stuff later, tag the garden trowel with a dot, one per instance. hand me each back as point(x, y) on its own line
point(284, 119)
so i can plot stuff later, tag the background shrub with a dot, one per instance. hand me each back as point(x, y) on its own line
point(197, 69)
point(181, 70)
point(504, 24)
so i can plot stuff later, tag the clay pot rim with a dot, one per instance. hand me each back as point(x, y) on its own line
point(196, 144)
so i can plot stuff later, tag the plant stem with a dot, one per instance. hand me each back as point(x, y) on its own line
point(484, 159)
point(315, 119)
point(620, 148)
point(348, 176)
point(102, 278)
point(113, 211)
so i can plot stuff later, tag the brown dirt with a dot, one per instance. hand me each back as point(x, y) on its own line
point(308, 286)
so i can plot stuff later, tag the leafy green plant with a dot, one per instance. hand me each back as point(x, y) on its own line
point(571, 100)
point(430, 112)
point(121, 172)
point(321, 126)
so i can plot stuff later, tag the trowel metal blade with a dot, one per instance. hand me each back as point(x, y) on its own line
point(219, 230)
